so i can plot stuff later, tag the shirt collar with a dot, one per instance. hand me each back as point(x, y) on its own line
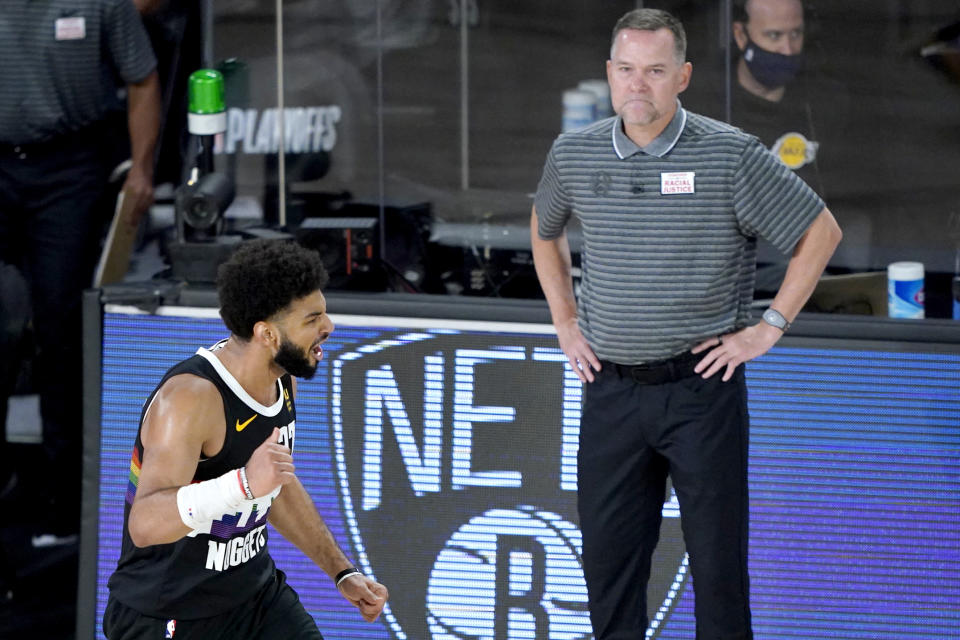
point(659, 146)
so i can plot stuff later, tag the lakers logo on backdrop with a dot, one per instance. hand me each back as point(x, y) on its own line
point(462, 488)
point(794, 150)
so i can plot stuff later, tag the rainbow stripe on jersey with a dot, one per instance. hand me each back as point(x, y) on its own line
point(134, 478)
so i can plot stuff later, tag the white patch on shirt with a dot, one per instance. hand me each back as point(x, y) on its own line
point(70, 28)
point(677, 182)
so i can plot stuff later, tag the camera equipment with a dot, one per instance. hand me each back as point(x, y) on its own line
point(199, 207)
point(200, 247)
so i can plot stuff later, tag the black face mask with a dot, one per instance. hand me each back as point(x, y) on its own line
point(771, 69)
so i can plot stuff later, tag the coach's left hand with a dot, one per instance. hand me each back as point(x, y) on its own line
point(733, 349)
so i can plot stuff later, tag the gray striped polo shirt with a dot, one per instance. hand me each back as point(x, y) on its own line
point(670, 230)
point(60, 61)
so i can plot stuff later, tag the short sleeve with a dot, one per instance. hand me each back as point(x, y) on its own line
point(128, 42)
point(552, 203)
point(770, 200)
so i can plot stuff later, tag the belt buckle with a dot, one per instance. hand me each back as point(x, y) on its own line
point(641, 373)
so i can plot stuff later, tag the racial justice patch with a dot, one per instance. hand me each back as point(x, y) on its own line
point(672, 182)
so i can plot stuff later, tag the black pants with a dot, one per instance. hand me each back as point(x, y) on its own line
point(274, 613)
point(49, 230)
point(14, 317)
point(632, 435)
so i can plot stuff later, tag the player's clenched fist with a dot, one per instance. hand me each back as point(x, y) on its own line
point(270, 466)
point(366, 594)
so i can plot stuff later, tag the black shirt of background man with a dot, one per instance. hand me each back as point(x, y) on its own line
point(771, 121)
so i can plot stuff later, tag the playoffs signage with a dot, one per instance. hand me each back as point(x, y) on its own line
point(459, 486)
point(305, 130)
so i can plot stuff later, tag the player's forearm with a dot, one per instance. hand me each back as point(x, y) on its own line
point(165, 515)
point(810, 258)
point(551, 259)
point(295, 517)
point(143, 120)
point(155, 519)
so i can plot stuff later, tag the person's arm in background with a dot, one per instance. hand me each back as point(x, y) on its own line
point(143, 121)
point(552, 261)
point(810, 257)
point(149, 6)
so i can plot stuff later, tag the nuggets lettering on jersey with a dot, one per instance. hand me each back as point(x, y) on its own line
point(223, 555)
point(287, 433)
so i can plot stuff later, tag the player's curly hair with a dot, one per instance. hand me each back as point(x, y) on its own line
point(263, 277)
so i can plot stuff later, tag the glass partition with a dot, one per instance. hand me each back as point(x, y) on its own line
point(431, 120)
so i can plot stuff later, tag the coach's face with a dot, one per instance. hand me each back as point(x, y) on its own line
point(645, 79)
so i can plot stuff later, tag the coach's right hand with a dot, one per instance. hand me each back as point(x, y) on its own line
point(270, 466)
point(577, 349)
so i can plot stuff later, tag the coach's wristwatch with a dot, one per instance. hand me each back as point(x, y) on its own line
point(775, 319)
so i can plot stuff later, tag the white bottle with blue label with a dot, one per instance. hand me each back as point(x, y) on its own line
point(905, 290)
point(579, 109)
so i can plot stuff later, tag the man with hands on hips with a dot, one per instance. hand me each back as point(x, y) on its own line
point(212, 464)
point(670, 204)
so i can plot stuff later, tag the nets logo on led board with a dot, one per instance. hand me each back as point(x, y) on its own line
point(490, 546)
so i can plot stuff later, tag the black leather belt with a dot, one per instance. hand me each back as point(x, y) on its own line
point(657, 372)
point(85, 137)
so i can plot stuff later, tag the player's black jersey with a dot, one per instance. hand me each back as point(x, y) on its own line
point(218, 567)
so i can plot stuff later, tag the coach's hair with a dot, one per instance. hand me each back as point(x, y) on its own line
point(653, 20)
point(262, 278)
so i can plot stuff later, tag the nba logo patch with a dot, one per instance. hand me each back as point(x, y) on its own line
point(171, 628)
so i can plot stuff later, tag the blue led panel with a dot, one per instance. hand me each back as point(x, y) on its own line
point(443, 459)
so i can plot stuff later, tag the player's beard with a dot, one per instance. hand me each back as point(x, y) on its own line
point(294, 360)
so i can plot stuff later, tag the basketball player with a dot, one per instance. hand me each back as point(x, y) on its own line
point(212, 465)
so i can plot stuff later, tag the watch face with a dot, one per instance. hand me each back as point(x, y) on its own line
point(774, 318)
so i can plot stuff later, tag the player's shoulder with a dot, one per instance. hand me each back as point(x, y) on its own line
point(185, 406)
point(187, 396)
point(186, 383)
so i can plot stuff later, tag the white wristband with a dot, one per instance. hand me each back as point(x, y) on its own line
point(203, 502)
point(247, 493)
